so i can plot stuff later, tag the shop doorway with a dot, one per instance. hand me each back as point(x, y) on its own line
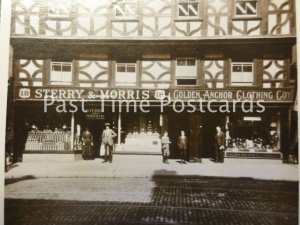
point(96, 128)
point(209, 124)
point(177, 122)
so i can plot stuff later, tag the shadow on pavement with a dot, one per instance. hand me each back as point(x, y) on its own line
point(11, 166)
point(15, 180)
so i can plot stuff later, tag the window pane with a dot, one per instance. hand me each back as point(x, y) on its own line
point(181, 62)
point(59, 9)
point(183, 9)
point(121, 68)
point(246, 8)
point(251, 8)
point(193, 9)
point(186, 81)
point(236, 68)
point(191, 62)
point(119, 12)
point(131, 69)
point(247, 68)
point(66, 68)
point(240, 8)
point(56, 68)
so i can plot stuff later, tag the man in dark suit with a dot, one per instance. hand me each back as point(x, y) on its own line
point(220, 145)
point(108, 136)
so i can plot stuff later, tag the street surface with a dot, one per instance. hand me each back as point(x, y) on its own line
point(154, 200)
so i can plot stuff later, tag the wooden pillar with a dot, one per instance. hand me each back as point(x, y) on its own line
point(165, 123)
point(199, 136)
point(194, 141)
point(72, 131)
point(119, 129)
point(284, 135)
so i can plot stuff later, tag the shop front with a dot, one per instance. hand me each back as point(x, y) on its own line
point(255, 123)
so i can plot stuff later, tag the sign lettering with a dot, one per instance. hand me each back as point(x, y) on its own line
point(89, 94)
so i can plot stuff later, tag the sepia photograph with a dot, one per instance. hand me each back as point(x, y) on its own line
point(149, 112)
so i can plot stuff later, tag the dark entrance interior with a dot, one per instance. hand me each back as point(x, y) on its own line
point(209, 124)
point(177, 123)
point(96, 127)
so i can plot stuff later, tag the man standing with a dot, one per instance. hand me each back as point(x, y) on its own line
point(107, 139)
point(220, 145)
point(182, 145)
point(165, 142)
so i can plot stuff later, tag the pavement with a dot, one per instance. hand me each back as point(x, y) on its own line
point(161, 200)
point(141, 190)
point(147, 166)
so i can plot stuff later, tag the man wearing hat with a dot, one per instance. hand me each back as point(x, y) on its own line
point(107, 139)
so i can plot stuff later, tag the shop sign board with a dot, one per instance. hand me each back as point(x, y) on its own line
point(94, 114)
point(96, 94)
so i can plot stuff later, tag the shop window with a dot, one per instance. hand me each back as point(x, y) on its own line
point(186, 71)
point(58, 9)
point(124, 9)
point(188, 9)
point(186, 81)
point(61, 73)
point(126, 74)
point(242, 74)
point(253, 133)
point(245, 8)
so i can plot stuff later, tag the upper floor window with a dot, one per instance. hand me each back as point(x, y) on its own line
point(186, 71)
point(245, 8)
point(57, 9)
point(188, 9)
point(124, 9)
point(242, 74)
point(61, 73)
point(126, 74)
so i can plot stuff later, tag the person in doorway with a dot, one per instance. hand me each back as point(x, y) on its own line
point(182, 145)
point(77, 143)
point(108, 136)
point(165, 144)
point(219, 145)
point(87, 145)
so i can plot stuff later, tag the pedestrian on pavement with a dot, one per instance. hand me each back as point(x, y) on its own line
point(165, 144)
point(87, 145)
point(182, 145)
point(219, 145)
point(108, 136)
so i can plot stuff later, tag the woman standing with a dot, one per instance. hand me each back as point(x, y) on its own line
point(87, 145)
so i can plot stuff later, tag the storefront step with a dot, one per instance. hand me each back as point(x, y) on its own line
point(57, 156)
point(138, 149)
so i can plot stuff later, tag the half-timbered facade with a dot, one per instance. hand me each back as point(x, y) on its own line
point(137, 49)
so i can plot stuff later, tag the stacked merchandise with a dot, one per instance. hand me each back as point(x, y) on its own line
point(48, 140)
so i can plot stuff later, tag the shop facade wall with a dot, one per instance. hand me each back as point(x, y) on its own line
point(267, 73)
point(145, 19)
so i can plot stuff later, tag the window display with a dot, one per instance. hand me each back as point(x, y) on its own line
point(48, 140)
point(253, 134)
